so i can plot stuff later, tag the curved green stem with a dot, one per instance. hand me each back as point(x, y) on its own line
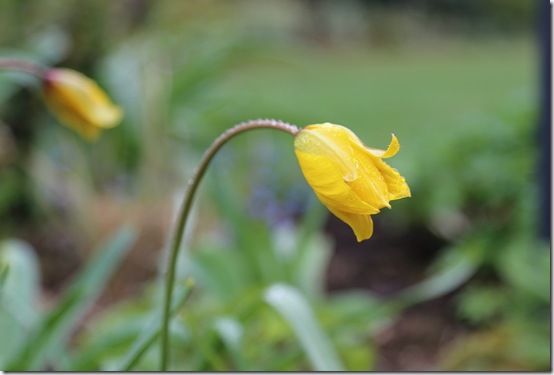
point(185, 210)
point(24, 66)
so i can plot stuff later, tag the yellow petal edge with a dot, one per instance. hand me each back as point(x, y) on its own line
point(350, 179)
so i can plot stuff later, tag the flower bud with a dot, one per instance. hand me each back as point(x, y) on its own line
point(79, 103)
point(350, 179)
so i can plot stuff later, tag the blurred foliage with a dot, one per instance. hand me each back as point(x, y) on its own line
point(18, 295)
point(33, 339)
point(440, 74)
point(228, 325)
point(511, 305)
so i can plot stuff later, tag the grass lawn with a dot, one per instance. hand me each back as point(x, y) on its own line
point(416, 93)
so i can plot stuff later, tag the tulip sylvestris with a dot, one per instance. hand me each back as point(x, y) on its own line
point(79, 102)
point(350, 179)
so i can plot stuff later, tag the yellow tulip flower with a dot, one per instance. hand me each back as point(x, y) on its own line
point(79, 102)
point(350, 179)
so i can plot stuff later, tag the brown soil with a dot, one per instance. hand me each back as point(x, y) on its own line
point(393, 259)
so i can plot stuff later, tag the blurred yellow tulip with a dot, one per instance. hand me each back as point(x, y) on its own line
point(350, 179)
point(79, 102)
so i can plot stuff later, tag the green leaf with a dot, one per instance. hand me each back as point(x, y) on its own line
point(231, 332)
point(152, 332)
point(4, 270)
point(19, 287)
point(294, 308)
point(451, 270)
point(311, 264)
point(222, 273)
point(48, 339)
point(481, 303)
point(105, 344)
point(525, 264)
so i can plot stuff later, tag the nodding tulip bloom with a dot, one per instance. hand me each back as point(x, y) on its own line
point(350, 179)
point(79, 102)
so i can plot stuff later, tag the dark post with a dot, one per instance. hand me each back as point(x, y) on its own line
point(545, 126)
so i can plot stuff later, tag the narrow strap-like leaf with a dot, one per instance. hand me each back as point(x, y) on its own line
point(294, 308)
point(152, 332)
point(57, 325)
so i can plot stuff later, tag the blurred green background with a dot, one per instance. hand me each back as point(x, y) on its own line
point(454, 278)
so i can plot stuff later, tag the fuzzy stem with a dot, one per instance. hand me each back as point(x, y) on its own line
point(24, 66)
point(186, 207)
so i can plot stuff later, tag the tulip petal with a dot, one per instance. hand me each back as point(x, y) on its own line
point(331, 141)
point(392, 149)
point(362, 225)
point(396, 184)
point(327, 180)
point(349, 178)
point(85, 97)
point(334, 144)
point(371, 185)
point(79, 102)
point(73, 120)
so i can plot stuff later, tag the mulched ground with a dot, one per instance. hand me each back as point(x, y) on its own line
point(386, 264)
